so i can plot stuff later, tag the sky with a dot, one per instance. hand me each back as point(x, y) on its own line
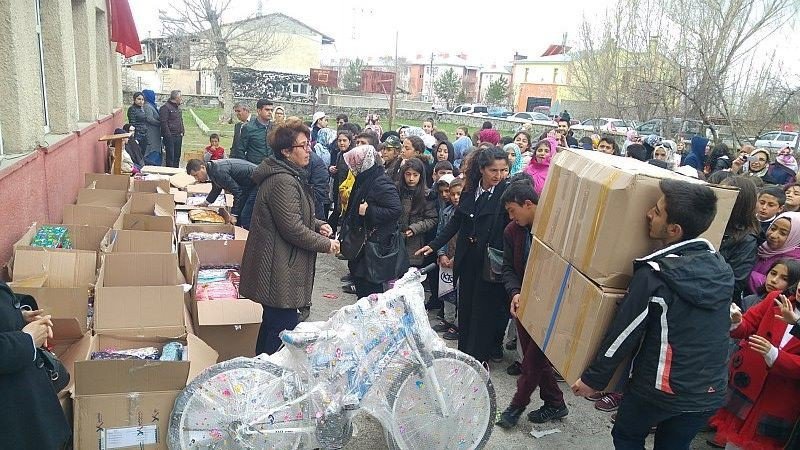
point(489, 34)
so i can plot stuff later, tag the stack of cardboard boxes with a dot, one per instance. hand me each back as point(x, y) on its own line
point(590, 225)
point(122, 286)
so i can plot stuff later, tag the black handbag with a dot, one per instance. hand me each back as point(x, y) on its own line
point(353, 240)
point(55, 370)
point(493, 265)
point(386, 262)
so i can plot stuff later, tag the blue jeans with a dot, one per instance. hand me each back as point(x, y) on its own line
point(675, 430)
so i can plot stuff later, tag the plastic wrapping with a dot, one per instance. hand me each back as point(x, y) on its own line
point(379, 355)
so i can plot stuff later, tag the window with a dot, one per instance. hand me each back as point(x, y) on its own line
point(555, 75)
point(299, 89)
point(526, 74)
point(786, 137)
point(769, 137)
point(42, 80)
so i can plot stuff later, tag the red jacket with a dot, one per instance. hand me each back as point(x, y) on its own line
point(216, 153)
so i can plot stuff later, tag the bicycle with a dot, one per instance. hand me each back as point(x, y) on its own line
point(379, 355)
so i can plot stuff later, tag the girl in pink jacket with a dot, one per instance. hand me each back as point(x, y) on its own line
point(544, 151)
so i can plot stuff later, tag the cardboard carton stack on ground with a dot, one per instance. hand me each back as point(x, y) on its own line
point(99, 203)
point(590, 225)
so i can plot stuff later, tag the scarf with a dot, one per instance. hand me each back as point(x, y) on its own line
point(361, 158)
point(415, 131)
point(792, 242)
point(491, 136)
point(517, 167)
point(763, 171)
point(149, 97)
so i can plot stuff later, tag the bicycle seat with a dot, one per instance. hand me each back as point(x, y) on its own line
point(301, 339)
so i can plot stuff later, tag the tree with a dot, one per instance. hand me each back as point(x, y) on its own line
point(200, 28)
point(351, 80)
point(447, 86)
point(498, 92)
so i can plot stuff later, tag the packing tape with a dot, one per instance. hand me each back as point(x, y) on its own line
point(573, 347)
point(557, 308)
point(134, 412)
point(547, 208)
point(599, 208)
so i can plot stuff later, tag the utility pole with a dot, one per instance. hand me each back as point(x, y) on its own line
point(430, 86)
point(393, 98)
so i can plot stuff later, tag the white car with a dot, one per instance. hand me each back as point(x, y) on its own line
point(777, 140)
point(535, 118)
point(477, 110)
point(604, 124)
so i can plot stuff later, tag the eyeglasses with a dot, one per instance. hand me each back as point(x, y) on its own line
point(303, 145)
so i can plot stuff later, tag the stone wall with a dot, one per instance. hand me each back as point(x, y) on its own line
point(248, 83)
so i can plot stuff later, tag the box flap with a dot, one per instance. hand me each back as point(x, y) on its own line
point(76, 351)
point(138, 307)
point(199, 188)
point(98, 216)
point(134, 241)
point(140, 269)
point(161, 170)
point(240, 234)
point(151, 203)
point(227, 312)
point(68, 306)
point(201, 356)
point(180, 197)
point(152, 186)
point(102, 197)
point(181, 180)
point(107, 181)
point(219, 252)
point(64, 268)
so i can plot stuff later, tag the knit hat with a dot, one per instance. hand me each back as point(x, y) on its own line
point(361, 158)
point(491, 136)
point(317, 115)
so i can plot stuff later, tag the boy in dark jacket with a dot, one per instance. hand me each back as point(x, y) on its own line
point(233, 175)
point(520, 201)
point(676, 320)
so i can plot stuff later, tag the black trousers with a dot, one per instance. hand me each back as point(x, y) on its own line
point(273, 321)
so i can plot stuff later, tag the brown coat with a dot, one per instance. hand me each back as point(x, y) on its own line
point(281, 250)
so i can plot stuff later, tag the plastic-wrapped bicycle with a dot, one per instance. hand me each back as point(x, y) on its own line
point(378, 355)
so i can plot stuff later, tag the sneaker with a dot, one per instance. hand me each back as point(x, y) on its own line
point(450, 335)
point(596, 396)
point(349, 289)
point(515, 369)
point(441, 327)
point(511, 345)
point(346, 279)
point(547, 413)
point(609, 403)
point(510, 417)
point(559, 377)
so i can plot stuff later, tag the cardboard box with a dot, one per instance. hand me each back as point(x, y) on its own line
point(239, 233)
point(181, 179)
point(593, 212)
point(161, 170)
point(150, 203)
point(96, 216)
point(229, 326)
point(140, 294)
point(199, 188)
point(102, 197)
point(83, 237)
point(69, 307)
point(129, 402)
point(564, 311)
point(61, 269)
point(135, 241)
point(107, 181)
point(151, 186)
point(144, 222)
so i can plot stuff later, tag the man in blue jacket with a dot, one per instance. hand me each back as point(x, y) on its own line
point(674, 321)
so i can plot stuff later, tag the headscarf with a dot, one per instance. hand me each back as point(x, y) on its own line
point(461, 148)
point(517, 167)
point(539, 170)
point(361, 158)
point(792, 242)
point(429, 141)
point(324, 138)
point(149, 96)
point(491, 136)
point(415, 131)
point(763, 171)
point(787, 159)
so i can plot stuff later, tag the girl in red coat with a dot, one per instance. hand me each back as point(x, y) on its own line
point(762, 404)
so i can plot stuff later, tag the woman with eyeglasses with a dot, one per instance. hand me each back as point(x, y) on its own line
point(279, 259)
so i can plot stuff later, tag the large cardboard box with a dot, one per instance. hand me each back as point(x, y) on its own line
point(229, 326)
point(96, 216)
point(151, 186)
point(146, 222)
point(593, 212)
point(59, 269)
point(158, 204)
point(140, 294)
point(106, 181)
point(135, 241)
point(83, 237)
point(565, 313)
point(69, 307)
point(239, 234)
point(102, 197)
point(127, 403)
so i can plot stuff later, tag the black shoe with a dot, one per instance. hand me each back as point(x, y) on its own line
point(497, 355)
point(558, 376)
point(431, 305)
point(346, 279)
point(515, 369)
point(450, 335)
point(510, 417)
point(511, 345)
point(441, 327)
point(440, 314)
point(547, 413)
point(349, 289)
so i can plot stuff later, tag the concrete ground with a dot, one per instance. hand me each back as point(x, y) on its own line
point(584, 427)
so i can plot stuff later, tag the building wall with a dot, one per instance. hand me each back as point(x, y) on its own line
point(527, 90)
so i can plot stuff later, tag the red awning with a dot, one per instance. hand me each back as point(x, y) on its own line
point(123, 28)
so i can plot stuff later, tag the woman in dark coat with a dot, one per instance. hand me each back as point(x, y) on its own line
point(285, 237)
point(137, 116)
point(152, 153)
point(344, 142)
point(31, 417)
point(479, 220)
point(739, 244)
point(374, 203)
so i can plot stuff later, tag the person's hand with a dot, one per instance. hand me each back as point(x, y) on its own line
point(582, 390)
point(30, 316)
point(333, 169)
point(335, 246)
point(736, 165)
point(408, 233)
point(326, 230)
point(40, 330)
point(759, 344)
point(736, 314)
point(445, 261)
point(427, 250)
point(233, 220)
point(787, 310)
point(515, 305)
point(362, 208)
point(204, 204)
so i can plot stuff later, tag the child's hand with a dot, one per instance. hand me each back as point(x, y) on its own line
point(787, 314)
point(759, 344)
point(446, 262)
point(736, 314)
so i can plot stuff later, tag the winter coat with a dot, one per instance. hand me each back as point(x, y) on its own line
point(779, 175)
point(171, 119)
point(281, 250)
point(153, 129)
point(766, 390)
point(419, 222)
point(741, 255)
point(233, 175)
point(516, 247)
point(393, 169)
point(758, 276)
point(319, 179)
point(675, 318)
point(450, 248)
point(32, 418)
point(252, 143)
point(383, 212)
point(137, 116)
point(697, 154)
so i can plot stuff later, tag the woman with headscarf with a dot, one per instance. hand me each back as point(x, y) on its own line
point(489, 135)
point(152, 153)
point(324, 138)
point(783, 239)
point(461, 148)
point(279, 258)
point(539, 166)
point(279, 115)
point(758, 165)
point(375, 204)
point(514, 158)
point(631, 137)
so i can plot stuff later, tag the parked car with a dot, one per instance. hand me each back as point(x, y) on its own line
point(533, 117)
point(438, 109)
point(500, 112)
point(777, 140)
point(478, 110)
point(604, 124)
point(675, 128)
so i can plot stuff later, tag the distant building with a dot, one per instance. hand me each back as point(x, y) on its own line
point(490, 75)
point(425, 70)
point(543, 80)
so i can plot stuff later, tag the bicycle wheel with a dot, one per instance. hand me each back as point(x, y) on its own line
point(228, 407)
point(465, 385)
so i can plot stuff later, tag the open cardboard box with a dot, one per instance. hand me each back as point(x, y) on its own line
point(59, 269)
point(129, 402)
point(69, 307)
point(159, 204)
point(102, 197)
point(83, 237)
point(151, 186)
point(146, 223)
point(239, 234)
point(199, 188)
point(230, 326)
point(107, 181)
point(131, 240)
point(140, 294)
point(96, 216)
